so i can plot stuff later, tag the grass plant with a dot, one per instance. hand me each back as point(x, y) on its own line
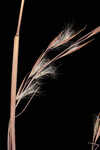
point(43, 67)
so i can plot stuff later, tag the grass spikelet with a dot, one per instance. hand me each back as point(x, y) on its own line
point(96, 133)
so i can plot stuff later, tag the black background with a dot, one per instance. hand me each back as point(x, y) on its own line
point(57, 117)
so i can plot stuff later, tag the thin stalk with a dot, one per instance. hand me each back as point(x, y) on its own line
point(12, 144)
